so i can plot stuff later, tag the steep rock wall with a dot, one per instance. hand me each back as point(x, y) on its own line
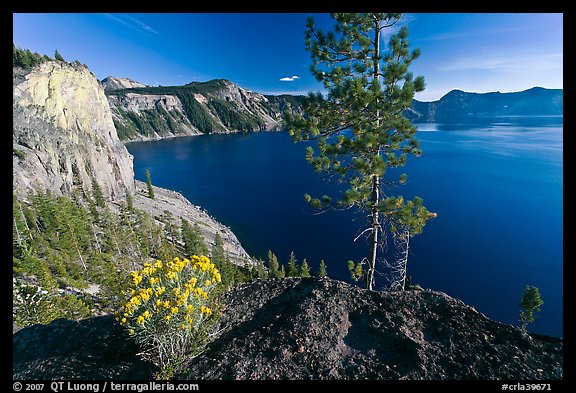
point(63, 133)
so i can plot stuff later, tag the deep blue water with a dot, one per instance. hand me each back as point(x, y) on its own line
point(496, 186)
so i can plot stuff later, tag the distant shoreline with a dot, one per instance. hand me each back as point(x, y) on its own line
point(195, 135)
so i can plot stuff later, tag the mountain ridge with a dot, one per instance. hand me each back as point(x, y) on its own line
point(215, 106)
point(221, 106)
point(458, 104)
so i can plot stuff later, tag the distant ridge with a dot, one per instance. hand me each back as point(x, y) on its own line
point(143, 112)
point(536, 101)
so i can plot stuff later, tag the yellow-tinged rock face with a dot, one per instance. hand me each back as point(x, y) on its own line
point(63, 124)
point(71, 97)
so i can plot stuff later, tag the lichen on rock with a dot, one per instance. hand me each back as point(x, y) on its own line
point(63, 126)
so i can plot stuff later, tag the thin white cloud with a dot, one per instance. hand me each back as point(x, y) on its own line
point(282, 92)
point(142, 25)
point(507, 63)
point(476, 32)
point(132, 23)
point(289, 78)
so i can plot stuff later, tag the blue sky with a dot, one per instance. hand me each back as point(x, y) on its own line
point(263, 52)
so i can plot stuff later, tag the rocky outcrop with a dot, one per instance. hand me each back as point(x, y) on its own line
point(95, 348)
point(112, 83)
point(217, 106)
point(179, 206)
point(310, 329)
point(326, 329)
point(63, 133)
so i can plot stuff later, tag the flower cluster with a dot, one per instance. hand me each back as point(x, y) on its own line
point(167, 298)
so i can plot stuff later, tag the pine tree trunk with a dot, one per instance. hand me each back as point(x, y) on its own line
point(406, 239)
point(375, 218)
point(375, 198)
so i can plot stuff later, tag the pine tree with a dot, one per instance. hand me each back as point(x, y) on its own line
point(322, 269)
point(218, 254)
point(200, 247)
point(193, 239)
point(260, 270)
point(230, 272)
point(149, 185)
point(171, 229)
point(529, 304)
point(239, 274)
point(292, 267)
point(222, 261)
point(273, 265)
point(305, 269)
point(281, 272)
point(58, 56)
point(97, 193)
point(359, 126)
point(129, 201)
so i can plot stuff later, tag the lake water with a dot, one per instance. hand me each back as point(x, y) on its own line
point(496, 186)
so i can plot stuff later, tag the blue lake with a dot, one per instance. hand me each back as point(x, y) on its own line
point(495, 184)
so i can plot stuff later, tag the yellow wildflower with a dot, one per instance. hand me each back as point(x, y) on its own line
point(205, 310)
point(140, 320)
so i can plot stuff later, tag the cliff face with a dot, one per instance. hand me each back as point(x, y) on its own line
point(150, 116)
point(217, 106)
point(63, 133)
point(64, 136)
point(309, 329)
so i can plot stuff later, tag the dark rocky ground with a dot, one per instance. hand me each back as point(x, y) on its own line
point(94, 348)
point(309, 329)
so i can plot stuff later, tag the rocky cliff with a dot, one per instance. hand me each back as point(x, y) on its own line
point(63, 133)
point(309, 329)
point(216, 106)
point(64, 136)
